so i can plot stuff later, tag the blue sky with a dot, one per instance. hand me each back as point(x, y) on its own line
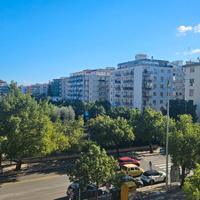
point(45, 39)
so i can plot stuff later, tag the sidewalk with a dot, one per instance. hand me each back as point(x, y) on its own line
point(158, 192)
point(147, 153)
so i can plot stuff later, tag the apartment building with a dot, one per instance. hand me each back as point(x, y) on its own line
point(142, 83)
point(90, 85)
point(55, 89)
point(179, 80)
point(192, 83)
point(4, 88)
point(36, 90)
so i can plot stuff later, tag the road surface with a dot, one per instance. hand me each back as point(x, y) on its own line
point(52, 186)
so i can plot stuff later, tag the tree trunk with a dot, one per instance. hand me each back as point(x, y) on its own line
point(183, 175)
point(150, 148)
point(18, 165)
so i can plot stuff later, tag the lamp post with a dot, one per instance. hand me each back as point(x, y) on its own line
point(167, 131)
point(167, 138)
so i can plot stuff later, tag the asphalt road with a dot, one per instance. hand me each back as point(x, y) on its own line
point(52, 186)
point(35, 187)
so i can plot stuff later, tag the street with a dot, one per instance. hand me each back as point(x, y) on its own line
point(38, 186)
point(52, 186)
point(158, 162)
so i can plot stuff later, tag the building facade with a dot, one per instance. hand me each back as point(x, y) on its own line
point(142, 83)
point(90, 85)
point(192, 84)
point(37, 90)
point(179, 80)
point(4, 88)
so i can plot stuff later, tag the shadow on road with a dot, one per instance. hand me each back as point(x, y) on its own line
point(61, 198)
point(8, 179)
point(45, 167)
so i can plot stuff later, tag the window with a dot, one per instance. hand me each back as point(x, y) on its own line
point(162, 70)
point(191, 92)
point(161, 101)
point(154, 86)
point(154, 102)
point(162, 78)
point(161, 94)
point(191, 82)
point(161, 86)
point(168, 70)
point(192, 69)
point(155, 78)
point(154, 93)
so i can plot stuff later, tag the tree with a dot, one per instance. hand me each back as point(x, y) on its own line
point(28, 130)
point(180, 107)
point(75, 132)
point(150, 127)
point(94, 166)
point(64, 113)
point(192, 185)
point(121, 112)
point(2, 141)
point(110, 132)
point(184, 144)
point(95, 110)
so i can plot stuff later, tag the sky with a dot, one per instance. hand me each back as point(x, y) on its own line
point(45, 39)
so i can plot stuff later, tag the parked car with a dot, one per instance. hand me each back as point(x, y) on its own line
point(132, 170)
point(127, 160)
point(163, 151)
point(137, 181)
point(131, 154)
point(153, 176)
point(88, 192)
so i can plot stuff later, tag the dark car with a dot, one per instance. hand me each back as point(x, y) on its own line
point(163, 151)
point(137, 181)
point(127, 160)
point(89, 191)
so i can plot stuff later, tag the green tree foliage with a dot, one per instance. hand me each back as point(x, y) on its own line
point(180, 107)
point(95, 110)
point(121, 112)
point(75, 133)
point(2, 142)
point(192, 185)
point(94, 166)
point(184, 144)
point(110, 132)
point(28, 130)
point(64, 113)
point(150, 127)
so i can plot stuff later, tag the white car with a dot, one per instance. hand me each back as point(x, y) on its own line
point(153, 176)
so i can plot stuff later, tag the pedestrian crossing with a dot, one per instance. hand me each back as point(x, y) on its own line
point(159, 163)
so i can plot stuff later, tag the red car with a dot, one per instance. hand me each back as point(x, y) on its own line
point(128, 160)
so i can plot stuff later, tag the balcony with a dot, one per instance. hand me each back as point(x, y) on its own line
point(147, 94)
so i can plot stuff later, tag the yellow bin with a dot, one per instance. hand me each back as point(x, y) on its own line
point(128, 189)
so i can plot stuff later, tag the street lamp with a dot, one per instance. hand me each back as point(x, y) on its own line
point(167, 132)
point(167, 137)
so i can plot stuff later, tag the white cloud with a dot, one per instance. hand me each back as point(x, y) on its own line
point(184, 29)
point(195, 51)
point(191, 52)
point(197, 28)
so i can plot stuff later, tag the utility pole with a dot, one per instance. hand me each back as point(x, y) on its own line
point(167, 138)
